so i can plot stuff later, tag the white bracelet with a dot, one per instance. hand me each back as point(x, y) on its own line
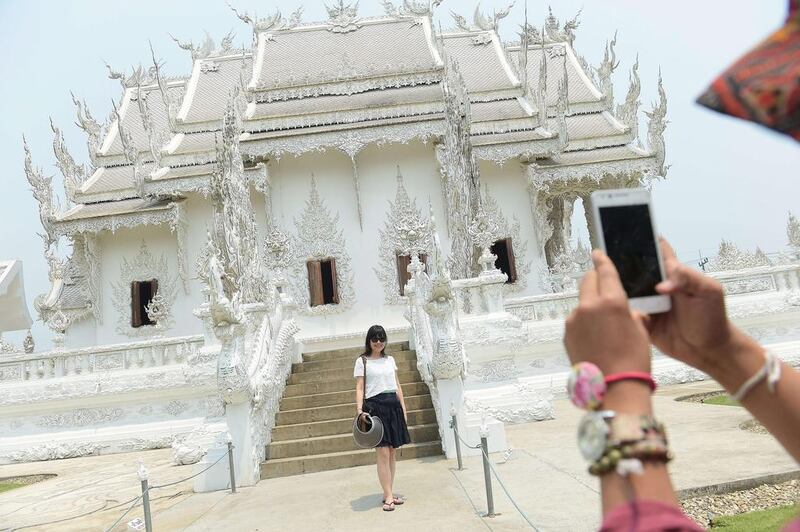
point(771, 370)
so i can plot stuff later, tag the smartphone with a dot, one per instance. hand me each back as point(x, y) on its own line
point(627, 233)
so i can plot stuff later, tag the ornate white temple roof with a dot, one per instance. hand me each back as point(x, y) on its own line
point(14, 313)
point(313, 60)
point(347, 82)
point(208, 90)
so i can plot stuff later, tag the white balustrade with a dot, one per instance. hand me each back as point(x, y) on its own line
point(97, 359)
point(542, 307)
point(762, 279)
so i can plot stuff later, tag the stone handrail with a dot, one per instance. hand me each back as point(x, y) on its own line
point(479, 295)
point(781, 278)
point(88, 360)
point(542, 307)
point(763, 279)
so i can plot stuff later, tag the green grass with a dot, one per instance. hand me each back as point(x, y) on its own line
point(723, 399)
point(6, 486)
point(761, 521)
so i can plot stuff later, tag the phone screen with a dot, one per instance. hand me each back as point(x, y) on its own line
point(631, 246)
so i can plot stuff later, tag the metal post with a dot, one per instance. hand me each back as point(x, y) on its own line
point(230, 466)
point(148, 520)
point(454, 424)
point(487, 476)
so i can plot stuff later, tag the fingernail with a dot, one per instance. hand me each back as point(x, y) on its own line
point(666, 286)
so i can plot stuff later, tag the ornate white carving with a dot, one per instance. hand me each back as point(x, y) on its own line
point(411, 8)
point(497, 370)
point(655, 129)
point(143, 267)
point(501, 229)
point(554, 32)
point(731, 257)
point(74, 174)
point(207, 47)
point(176, 408)
point(460, 173)
point(94, 131)
point(480, 21)
point(628, 112)
point(321, 237)
point(81, 417)
point(404, 232)
point(131, 152)
point(526, 407)
point(42, 188)
point(53, 451)
point(793, 233)
point(606, 70)
point(234, 230)
point(343, 18)
point(138, 76)
point(28, 345)
point(394, 134)
point(275, 22)
point(89, 260)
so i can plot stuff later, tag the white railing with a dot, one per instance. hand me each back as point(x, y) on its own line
point(96, 359)
point(782, 278)
point(542, 307)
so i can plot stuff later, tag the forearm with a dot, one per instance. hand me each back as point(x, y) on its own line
point(359, 396)
point(631, 397)
point(778, 411)
point(400, 397)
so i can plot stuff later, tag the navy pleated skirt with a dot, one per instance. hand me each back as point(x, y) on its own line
point(387, 407)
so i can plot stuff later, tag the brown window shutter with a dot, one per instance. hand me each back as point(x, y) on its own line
point(334, 282)
point(314, 283)
point(423, 258)
point(136, 305)
point(512, 266)
point(403, 276)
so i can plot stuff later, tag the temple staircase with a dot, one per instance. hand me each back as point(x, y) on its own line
point(313, 430)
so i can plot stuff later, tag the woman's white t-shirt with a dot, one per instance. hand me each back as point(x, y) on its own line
point(380, 375)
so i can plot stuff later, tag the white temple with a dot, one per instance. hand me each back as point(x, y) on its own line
point(280, 199)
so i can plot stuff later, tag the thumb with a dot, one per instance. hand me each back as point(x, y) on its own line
point(685, 280)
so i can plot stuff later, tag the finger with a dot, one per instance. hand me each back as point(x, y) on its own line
point(644, 319)
point(608, 282)
point(668, 254)
point(588, 289)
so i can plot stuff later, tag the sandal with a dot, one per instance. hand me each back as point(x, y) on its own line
point(398, 500)
point(388, 506)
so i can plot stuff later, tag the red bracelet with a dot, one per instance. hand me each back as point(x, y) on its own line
point(632, 376)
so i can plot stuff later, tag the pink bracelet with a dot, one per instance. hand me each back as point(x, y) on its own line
point(632, 376)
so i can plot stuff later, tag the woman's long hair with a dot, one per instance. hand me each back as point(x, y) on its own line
point(375, 332)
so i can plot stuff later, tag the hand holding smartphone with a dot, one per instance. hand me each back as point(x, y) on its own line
point(627, 234)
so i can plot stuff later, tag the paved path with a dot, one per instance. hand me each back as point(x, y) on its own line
point(544, 472)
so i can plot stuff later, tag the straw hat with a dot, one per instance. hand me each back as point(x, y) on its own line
point(763, 86)
point(368, 434)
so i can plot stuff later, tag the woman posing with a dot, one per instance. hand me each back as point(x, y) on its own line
point(383, 398)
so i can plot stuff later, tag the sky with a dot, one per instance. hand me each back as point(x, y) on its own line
point(729, 179)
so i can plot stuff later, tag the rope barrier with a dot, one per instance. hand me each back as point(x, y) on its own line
point(491, 467)
point(159, 486)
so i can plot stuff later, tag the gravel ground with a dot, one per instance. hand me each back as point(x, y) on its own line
point(700, 397)
point(761, 498)
point(26, 479)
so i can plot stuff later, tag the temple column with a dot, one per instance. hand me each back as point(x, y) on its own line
point(589, 215)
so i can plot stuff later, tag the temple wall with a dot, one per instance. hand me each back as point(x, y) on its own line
point(507, 185)
point(377, 170)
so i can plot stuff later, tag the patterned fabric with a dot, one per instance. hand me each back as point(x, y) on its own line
point(764, 85)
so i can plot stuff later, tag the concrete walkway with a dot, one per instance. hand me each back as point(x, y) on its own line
point(543, 471)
